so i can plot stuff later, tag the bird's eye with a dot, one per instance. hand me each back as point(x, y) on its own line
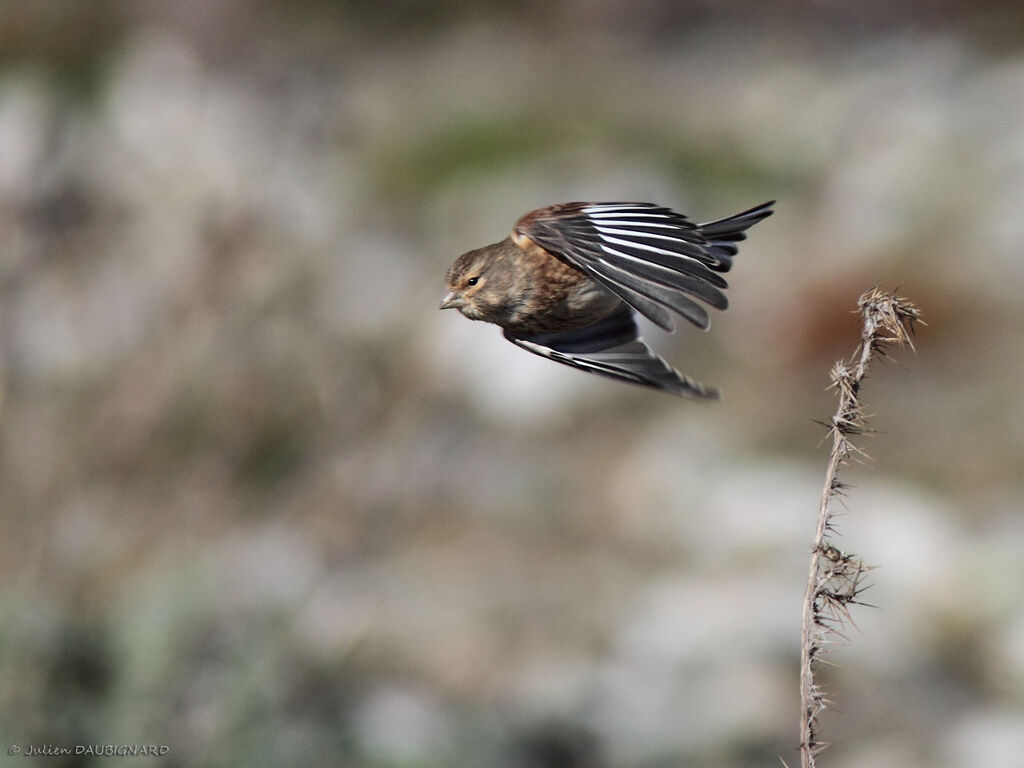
point(473, 281)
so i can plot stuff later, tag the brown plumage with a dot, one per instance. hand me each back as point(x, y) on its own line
point(566, 282)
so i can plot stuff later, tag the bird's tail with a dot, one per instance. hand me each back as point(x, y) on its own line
point(723, 234)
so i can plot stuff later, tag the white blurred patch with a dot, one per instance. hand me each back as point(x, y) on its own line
point(337, 615)
point(25, 112)
point(400, 726)
point(992, 738)
point(683, 673)
point(267, 565)
point(505, 383)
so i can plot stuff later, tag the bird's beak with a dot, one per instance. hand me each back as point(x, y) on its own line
point(452, 301)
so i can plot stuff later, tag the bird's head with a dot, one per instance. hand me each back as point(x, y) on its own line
point(480, 283)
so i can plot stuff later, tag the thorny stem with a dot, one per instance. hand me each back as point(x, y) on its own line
point(835, 579)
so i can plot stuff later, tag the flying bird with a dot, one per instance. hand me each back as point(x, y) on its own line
point(568, 282)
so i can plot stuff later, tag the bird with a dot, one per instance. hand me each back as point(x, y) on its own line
point(569, 281)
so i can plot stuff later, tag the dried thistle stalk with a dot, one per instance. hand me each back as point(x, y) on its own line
point(836, 579)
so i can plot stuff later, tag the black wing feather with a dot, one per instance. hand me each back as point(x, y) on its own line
point(723, 234)
point(612, 347)
point(650, 256)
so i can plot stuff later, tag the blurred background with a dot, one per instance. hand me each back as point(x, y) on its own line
point(262, 503)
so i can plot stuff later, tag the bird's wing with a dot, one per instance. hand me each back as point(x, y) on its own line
point(723, 234)
point(612, 347)
point(649, 256)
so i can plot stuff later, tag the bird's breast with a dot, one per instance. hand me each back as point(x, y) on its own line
point(558, 297)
